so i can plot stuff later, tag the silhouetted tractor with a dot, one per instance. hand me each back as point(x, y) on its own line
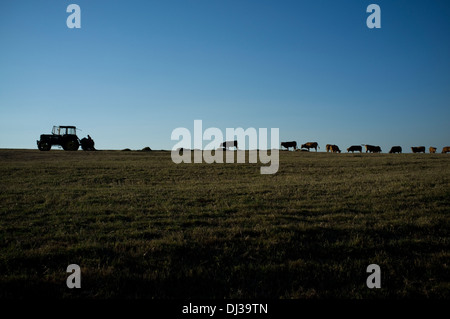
point(66, 137)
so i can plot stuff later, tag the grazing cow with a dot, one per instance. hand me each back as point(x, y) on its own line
point(287, 145)
point(311, 145)
point(372, 149)
point(418, 149)
point(395, 149)
point(432, 149)
point(228, 144)
point(328, 147)
point(446, 150)
point(354, 148)
point(335, 149)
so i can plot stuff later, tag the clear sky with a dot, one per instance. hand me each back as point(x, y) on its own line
point(136, 70)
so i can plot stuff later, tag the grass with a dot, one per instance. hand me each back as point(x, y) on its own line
point(141, 226)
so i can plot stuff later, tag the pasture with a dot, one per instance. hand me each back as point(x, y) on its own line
point(140, 226)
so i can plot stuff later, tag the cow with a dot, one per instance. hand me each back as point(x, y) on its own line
point(228, 144)
point(432, 149)
point(395, 149)
point(354, 148)
point(328, 147)
point(287, 145)
point(372, 149)
point(418, 149)
point(335, 149)
point(446, 150)
point(311, 145)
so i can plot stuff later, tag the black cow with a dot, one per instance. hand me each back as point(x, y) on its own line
point(373, 149)
point(354, 148)
point(395, 149)
point(335, 149)
point(418, 149)
point(228, 144)
point(287, 145)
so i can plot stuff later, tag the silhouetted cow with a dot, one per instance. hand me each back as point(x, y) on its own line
point(354, 148)
point(395, 149)
point(335, 149)
point(418, 149)
point(287, 145)
point(228, 144)
point(311, 145)
point(446, 150)
point(432, 149)
point(372, 149)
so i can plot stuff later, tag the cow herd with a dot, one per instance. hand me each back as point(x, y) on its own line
point(358, 148)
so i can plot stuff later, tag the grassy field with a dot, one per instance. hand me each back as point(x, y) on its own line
point(140, 226)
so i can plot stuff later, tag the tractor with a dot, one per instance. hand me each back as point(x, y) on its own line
point(66, 137)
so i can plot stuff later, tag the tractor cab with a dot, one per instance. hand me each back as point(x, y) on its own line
point(64, 130)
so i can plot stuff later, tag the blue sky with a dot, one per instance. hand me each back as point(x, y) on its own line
point(136, 70)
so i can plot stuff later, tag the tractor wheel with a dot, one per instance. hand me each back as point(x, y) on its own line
point(44, 146)
point(71, 146)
